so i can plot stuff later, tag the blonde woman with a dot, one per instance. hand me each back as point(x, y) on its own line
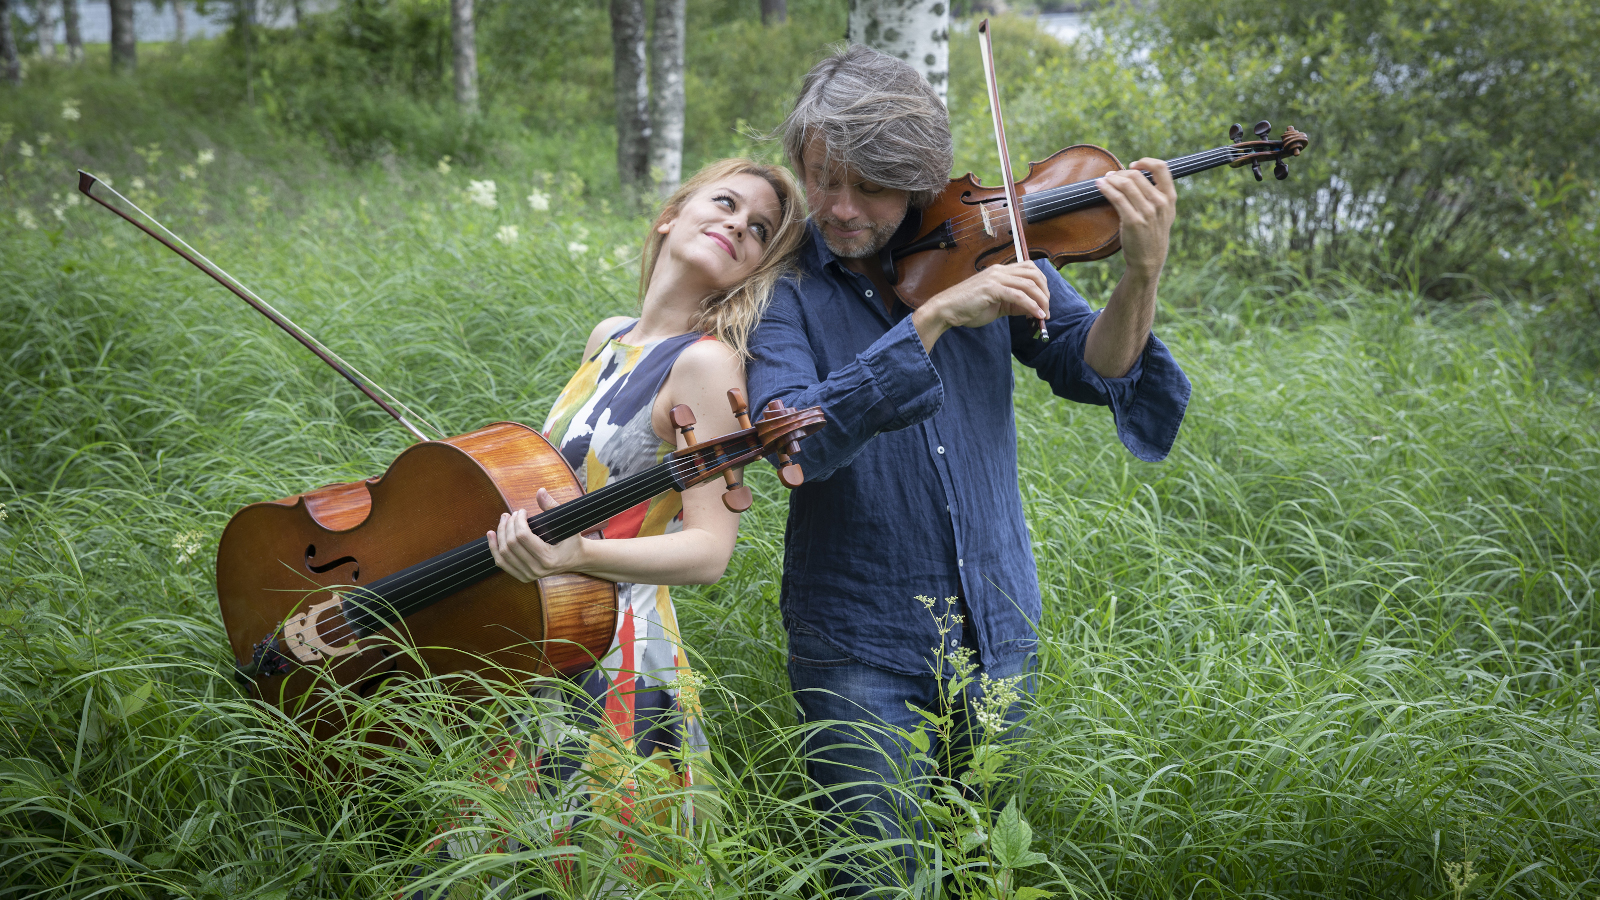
point(710, 262)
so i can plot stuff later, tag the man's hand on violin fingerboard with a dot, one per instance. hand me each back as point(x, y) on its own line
point(1147, 210)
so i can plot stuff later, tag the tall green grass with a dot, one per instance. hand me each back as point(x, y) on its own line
point(1343, 639)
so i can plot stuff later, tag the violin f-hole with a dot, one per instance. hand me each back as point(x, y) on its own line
point(311, 551)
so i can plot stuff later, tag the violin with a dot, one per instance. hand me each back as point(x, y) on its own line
point(352, 584)
point(1054, 212)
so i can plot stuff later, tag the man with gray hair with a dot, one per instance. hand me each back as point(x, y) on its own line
point(912, 488)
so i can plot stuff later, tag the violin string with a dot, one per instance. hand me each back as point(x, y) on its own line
point(624, 500)
point(1061, 199)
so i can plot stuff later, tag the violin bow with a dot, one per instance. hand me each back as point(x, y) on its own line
point(87, 183)
point(1013, 203)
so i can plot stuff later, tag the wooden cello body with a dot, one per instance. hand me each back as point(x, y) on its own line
point(279, 560)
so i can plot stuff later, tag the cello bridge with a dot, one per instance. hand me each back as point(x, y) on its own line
point(302, 634)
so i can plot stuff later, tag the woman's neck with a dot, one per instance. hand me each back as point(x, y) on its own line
point(670, 304)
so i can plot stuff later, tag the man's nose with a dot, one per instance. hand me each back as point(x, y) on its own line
point(843, 205)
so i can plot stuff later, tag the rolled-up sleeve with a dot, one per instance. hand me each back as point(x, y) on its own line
point(1147, 403)
point(888, 386)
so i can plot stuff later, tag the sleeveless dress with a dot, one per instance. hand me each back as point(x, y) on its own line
point(621, 751)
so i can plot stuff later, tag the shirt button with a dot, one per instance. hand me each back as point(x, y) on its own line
point(941, 451)
point(961, 563)
point(869, 293)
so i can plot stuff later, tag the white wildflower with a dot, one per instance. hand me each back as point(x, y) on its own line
point(138, 183)
point(999, 695)
point(26, 220)
point(539, 200)
point(69, 110)
point(206, 157)
point(443, 166)
point(187, 171)
point(2, 512)
point(25, 150)
point(577, 249)
point(73, 199)
point(44, 141)
point(482, 193)
point(188, 545)
point(622, 252)
point(507, 235)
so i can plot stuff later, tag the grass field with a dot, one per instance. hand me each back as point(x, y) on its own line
point(1343, 643)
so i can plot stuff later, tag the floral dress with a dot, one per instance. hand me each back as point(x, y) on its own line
point(606, 756)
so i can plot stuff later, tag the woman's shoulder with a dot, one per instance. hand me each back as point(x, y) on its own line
point(602, 332)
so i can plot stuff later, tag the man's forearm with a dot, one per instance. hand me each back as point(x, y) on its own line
point(1119, 335)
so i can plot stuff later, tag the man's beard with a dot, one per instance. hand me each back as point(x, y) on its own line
point(862, 247)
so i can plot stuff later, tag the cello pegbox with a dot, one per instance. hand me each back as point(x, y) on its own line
point(683, 419)
point(789, 471)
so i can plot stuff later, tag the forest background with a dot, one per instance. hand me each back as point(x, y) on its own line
point(1340, 644)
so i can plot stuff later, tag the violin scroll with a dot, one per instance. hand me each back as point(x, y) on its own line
point(1254, 153)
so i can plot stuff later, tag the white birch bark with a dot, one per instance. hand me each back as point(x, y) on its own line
point(124, 50)
point(632, 80)
point(45, 29)
point(666, 97)
point(10, 65)
point(464, 47)
point(917, 31)
point(69, 11)
point(180, 23)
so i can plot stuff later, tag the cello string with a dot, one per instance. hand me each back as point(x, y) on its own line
point(401, 600)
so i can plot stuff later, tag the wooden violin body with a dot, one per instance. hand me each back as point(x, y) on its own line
point(278, 560)
point(968, 227)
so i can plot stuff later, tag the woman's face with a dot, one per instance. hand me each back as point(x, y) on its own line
point(722, 231)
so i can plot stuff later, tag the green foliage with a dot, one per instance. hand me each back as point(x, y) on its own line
point(1431, 124)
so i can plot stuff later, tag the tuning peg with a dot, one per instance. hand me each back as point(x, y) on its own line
point(1236, 132)
point(1280, 171)
point(789, 471)
point(1263, 129)
point(1255, 168)
point(683, 420)
point(737, 497)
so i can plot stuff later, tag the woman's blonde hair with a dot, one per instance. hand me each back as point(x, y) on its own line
point(732, 315)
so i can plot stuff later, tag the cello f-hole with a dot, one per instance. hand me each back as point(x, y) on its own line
point(311, 551)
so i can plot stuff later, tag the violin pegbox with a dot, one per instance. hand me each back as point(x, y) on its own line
point(1264, 148)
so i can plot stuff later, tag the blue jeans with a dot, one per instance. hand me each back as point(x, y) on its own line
point(853, 752)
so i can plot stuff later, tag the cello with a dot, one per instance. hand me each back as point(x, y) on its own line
point(349, 585)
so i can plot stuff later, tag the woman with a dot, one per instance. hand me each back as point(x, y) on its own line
point(710, 262)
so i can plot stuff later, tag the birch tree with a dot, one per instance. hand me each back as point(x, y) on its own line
point(45, 28)
point(10, 66)
point(666, 97)
point(632, 95)
point(774, 12)
point(180, 23)
point(122, 39)
point(464, 54)
point(917, 31)
point(69, 13)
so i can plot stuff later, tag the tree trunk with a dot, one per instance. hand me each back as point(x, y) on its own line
point(45, 29)
point(666, 97)
point(774, 12)
point(122, 40)
point(69, 12)
point(10, 66)
point(917, 31)
point(464, 47)
point(633, 96)
point(299, 14)
point(180, 23)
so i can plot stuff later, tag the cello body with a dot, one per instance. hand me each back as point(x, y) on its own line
point(280, 559)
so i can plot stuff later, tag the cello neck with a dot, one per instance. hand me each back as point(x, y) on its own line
point(1054, 202)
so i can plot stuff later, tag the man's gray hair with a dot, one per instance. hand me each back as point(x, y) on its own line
point(877, 115)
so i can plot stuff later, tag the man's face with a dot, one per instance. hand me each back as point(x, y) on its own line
point(856, 217)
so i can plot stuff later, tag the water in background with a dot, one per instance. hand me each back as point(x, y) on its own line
point(154, 25)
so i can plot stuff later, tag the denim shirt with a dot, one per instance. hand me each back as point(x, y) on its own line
point(911, 488)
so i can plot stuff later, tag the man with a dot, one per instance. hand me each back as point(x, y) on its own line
point(912, 488)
